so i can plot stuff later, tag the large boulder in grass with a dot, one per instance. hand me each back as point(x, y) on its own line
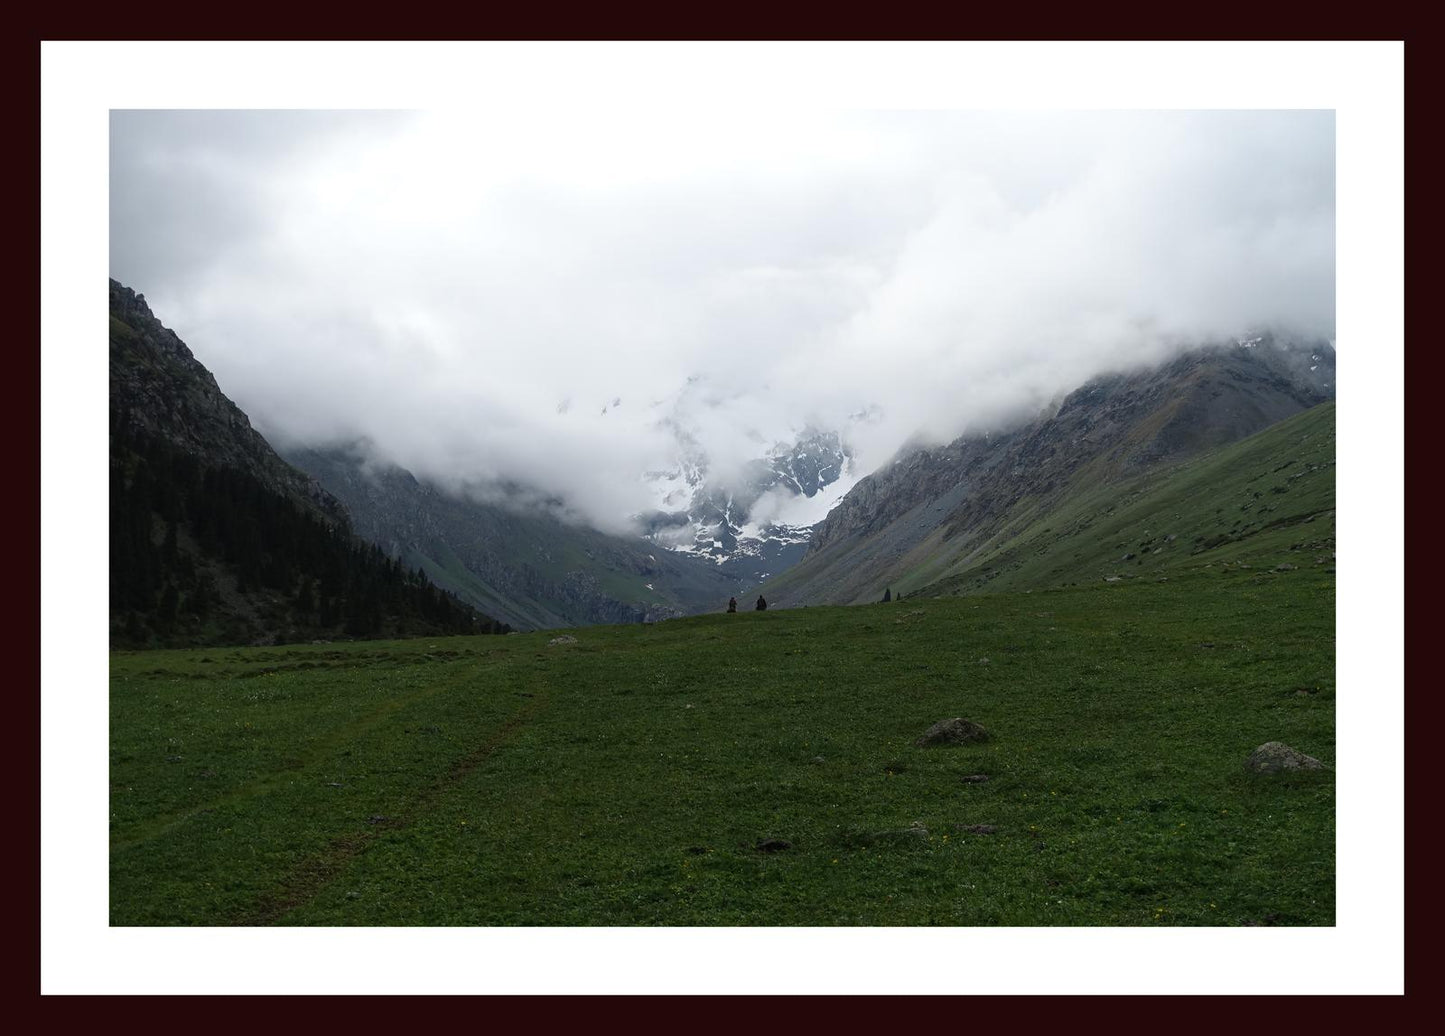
point(1276, 756)
point(956, 731)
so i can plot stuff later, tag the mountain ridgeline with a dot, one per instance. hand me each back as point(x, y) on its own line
point(214, 539)
point(951, 518)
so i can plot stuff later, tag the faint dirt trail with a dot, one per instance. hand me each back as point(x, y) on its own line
point(307, 880)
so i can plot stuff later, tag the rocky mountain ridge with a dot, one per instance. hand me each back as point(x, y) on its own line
point(932, 503)
point(743, 526)
point(214, 539)
point(158, 386)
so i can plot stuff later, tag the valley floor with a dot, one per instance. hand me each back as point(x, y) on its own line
point(749, 769)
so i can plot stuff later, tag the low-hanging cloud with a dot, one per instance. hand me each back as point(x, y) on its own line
point(551, 301)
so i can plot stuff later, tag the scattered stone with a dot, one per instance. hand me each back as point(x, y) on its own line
point(1128, 557)
point(913, 832)
point(377, 819)
point(818, 760)
point(353, 895)
point(564, 639)
point(976, 829)
point(1284, 567)
point(956, 731)
point(773, 845)
point(1112, 579)
point(333, 784)
point(974, 778)
point(1274, 756)
point(173, 758)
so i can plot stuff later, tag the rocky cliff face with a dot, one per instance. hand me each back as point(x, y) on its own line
point(159, 387)
point(699, 517)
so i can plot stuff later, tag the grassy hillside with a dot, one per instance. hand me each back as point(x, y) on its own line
point(1264, 501)
point(648, 774)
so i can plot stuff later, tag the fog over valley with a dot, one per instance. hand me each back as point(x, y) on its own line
point(549, 308)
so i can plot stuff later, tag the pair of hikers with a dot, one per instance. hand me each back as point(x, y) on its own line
point(733, 604)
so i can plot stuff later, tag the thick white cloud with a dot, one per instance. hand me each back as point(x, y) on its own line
point(474, 293)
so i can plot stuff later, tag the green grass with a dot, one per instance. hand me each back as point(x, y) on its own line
point(628, 778)
point(1265, 501)
point(1261, 502)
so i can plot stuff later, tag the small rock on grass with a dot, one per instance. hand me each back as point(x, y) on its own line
point(956, 731)
point(564, 639)
point(1276, 756)
point(974, 778)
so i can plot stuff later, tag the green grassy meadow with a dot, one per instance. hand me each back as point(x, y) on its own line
point(629, 778)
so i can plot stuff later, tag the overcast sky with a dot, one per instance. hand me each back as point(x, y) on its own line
point(508, 296)
point(82, 81)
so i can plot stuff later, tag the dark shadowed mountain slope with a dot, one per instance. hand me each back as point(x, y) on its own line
point(933, 512)
point(528, 568)
point(216, 540)
point(159, 389)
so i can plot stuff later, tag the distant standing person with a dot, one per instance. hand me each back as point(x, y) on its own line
point(732, 604)
point(762, 604)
